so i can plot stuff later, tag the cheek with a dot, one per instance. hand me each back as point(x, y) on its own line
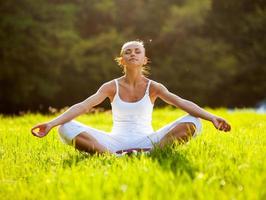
point(143, 59)
point(126, 57)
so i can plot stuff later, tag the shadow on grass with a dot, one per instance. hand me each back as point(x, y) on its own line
point(79, 157)
point(74, 159)
point(170, 158)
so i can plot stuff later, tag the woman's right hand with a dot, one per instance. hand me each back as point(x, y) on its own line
point(41, 130)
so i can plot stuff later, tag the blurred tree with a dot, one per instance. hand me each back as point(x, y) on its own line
point(91, 64)
point(58, 52)
point(241, 24)
point(185, 59)
point(35, 37)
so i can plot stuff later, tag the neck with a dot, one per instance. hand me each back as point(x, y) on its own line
point(132, 77)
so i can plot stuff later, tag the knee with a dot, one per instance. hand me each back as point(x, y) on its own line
point(190, 128)
point(196, 122)
point(64, 132)
point(64, 127)
point(184, 130)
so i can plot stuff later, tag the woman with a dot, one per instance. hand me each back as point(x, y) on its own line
point(132, 97)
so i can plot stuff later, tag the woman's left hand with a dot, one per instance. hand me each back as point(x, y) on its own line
point(221, 124)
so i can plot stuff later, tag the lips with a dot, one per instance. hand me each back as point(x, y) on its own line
point(133, 59)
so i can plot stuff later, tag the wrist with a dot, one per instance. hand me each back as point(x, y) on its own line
point(51, 124)
point(212, 117)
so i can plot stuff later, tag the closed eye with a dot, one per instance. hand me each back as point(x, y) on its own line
point(128, 51)
point(137, 51)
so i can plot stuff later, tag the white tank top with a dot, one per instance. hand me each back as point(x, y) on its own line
point(132, 118)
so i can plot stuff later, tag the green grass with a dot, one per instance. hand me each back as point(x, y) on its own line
point(215, 165)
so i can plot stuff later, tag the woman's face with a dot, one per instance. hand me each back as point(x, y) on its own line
point(133, 55)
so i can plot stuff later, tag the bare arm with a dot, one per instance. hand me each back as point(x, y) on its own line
point(74, 111)
point(81, 108)
point(190, 107)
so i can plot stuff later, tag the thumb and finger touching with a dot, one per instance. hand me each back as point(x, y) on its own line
point(222, 125)
point(40, 130)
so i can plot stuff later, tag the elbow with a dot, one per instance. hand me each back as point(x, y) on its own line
point(82, 108)
point(85, 108)
point(188, 106)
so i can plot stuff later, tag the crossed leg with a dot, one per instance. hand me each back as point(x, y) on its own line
point(181, 133)
point(87, 143)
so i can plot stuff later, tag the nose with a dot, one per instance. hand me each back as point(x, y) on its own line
point(132, 54)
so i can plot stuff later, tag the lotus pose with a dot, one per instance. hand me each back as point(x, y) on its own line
point(132, 98)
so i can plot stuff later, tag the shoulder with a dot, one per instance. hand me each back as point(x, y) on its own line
point(156, 87)
point(157, 90)
point(108, 87)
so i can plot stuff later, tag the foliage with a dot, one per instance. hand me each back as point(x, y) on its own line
point(56, 53)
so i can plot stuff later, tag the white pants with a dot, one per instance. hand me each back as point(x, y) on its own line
point(114, 143)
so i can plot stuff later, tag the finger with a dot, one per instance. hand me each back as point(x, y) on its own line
point(226, 126)
point(33, 128)
point(34, 132)
point(38, 126)
point(219, 126)
point(223, 127)
point(38, 133)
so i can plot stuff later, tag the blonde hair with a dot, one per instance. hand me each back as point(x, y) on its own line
point(145, 69)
